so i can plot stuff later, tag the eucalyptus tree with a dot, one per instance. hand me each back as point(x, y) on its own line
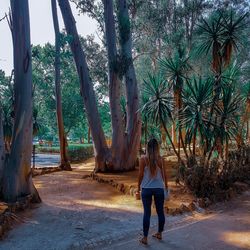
point(102, 154)
point(133, 120)
point(126, 142)
point(65, 164)
point(17, 177)
point(114, 86)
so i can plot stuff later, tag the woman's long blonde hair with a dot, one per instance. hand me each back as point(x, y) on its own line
point(153, 154)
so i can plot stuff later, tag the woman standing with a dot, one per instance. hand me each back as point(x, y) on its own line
point(152, 181)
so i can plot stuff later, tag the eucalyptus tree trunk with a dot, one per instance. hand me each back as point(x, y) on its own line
point(114, 89)
point(17, 180)
point(65, 165)
point(133, 126)
point(2, 150)
point(102, 154)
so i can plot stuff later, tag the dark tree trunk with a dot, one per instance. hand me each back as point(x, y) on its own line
point(146, 133)
point(89, 134)
point(170, 139)
point(65, 165)
point(133, 126)
point(102, 154)
point(17, 180)
point(2, 150)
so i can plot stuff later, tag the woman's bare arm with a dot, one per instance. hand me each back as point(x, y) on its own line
point(141, 172)
point(165, 173)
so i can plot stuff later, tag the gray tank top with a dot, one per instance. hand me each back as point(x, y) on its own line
point(152, 182)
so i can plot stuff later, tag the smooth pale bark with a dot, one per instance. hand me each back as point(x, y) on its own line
point(114, 88)
point(133, 126)
point(2, 150)
point(17, 180)
point(103, 157)
point(65, 165)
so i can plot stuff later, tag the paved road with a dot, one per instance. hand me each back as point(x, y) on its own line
point(46, 160)
point(227, 228)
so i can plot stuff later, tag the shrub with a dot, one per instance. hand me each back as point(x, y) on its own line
point(76, 152)
point(79, 154)
point(211, 181)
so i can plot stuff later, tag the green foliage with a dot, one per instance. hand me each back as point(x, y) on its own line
point(214, 181)
point(6, 103)
point(159, 105)
point(197, 98)
point(176, 69)
point(228, 114)
point(221, 33)
point(76, 152)
point(44, 94)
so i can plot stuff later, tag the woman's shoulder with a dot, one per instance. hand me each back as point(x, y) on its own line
point(143, 158)
point(160, 161)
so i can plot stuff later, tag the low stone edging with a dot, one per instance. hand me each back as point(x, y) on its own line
point(46, 170)
point(198, 204)
point(131, 190)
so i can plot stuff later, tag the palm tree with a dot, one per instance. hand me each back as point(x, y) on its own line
point(233, 28)
point(246, 114)
point(210, 38)
point(228, 113)
point(197, 97)
point(220, 34)
point(159, 106)
point(176, 69)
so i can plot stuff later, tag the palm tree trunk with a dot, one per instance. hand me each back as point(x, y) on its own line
point(178, 106)
point(210, 154)
point(65, 165)
point(169, 137)
point(184, 146)
point(181, 141)
point(248, 132)
point(244, 120)
point(17, 181)
point(226, 151)
point(194, 140)
point(102, 153)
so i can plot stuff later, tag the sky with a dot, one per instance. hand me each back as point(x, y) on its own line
point(41, 26)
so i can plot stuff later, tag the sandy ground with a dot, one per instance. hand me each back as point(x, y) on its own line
point(78, 213)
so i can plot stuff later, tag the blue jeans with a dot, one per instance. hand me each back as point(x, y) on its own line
point(147, 194)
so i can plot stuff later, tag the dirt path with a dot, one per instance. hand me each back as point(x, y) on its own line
point(79, 213)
